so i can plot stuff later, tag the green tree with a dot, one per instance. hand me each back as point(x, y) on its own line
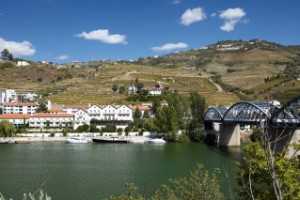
point(119, 131)
point(83, 128)
point(146, 114)
point(122, 89)
point(155, 105)
point(115, 87)
point(7, 129)
point(6, 55)
point(198, 106)
point(199, 185)
point(256, 180)
point(42, 108)
point(137, 119)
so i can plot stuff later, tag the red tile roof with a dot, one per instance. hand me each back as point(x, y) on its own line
point(43, 115)
point(14, 116)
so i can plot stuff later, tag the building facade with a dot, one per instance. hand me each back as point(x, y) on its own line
point(19, 108)
point(51, 120)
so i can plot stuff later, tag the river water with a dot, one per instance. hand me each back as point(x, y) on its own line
point(96, 171)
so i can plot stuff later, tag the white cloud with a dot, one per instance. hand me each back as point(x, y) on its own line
point(170, 47)
point(103, 35)
point(231, 17)
point(17, 48)
point(63, 57)
point(191, 16)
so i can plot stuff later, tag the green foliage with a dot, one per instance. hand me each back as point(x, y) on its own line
point(199, 185)
point(6, 55)
point(119, 131)
point(115, 87)
point(122, 89)
point(255, 168)
point(93, 128)
point(155, 105)
point(198, 106)
point(42, 107)
point(83, 128)
point(7, 129)
point(109, 128)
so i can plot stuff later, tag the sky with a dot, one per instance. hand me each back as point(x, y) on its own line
point(82, 30)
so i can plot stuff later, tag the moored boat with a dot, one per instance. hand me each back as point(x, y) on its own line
point(106, 140)
point(75, 140)
point(157, 141)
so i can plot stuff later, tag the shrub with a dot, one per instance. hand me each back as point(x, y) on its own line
point(197, 186)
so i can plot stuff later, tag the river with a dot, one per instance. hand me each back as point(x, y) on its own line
point(95, 171)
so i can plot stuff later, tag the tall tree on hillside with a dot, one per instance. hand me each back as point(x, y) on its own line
point(198, 106)
point(6, 55)
point(42, 108)
point(115, 87)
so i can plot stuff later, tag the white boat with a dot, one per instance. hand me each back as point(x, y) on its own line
point(75, 140)
point(139, 140)
point(157, 141)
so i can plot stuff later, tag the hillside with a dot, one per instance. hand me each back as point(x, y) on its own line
point(252, 69)
point(223, 72)
point(93, 84)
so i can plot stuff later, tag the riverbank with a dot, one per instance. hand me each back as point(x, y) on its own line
point(48, 138)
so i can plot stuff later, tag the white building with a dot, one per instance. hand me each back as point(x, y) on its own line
point(22, 63)
point(132, 89)
point(7, 96)
point(95, 112)
point(110, 113)
point(155, 92)
point(51, 120)
point(124, 113)
point(15, 119)
point(19, 108)
point(81, 117)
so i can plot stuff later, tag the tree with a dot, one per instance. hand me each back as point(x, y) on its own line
point(146, 114)
point(199, 185)
point(137, 119)
point(155, 105)
point(6, 55)
point(198, 106)
point(7, 129)
point(115, 87)
point(83, 128)
point(119, 131)
point(139, 86)
point(256, 180)
point(42, 108)
point(122, 89)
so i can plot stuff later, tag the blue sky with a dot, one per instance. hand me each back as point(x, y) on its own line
point(68, 30)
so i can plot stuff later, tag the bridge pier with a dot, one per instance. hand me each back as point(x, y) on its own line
point(230, 135)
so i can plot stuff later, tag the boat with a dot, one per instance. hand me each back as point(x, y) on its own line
point(107, 140)
point(139, 140)
point(157, 141)
point(75, 140)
